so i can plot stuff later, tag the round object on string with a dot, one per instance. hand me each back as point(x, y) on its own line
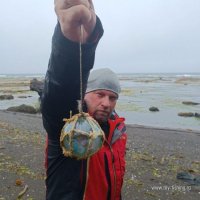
point(81, 136)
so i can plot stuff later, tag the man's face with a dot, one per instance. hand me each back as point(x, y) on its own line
point(100, 104)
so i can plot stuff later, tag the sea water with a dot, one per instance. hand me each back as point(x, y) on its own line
point(164, 91)
point(139, 93)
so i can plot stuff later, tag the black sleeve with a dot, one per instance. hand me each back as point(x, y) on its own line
point(62, 81)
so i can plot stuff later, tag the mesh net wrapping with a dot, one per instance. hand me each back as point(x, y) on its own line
point(81, 136)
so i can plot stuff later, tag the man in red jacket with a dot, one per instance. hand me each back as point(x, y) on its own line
point(101, 176)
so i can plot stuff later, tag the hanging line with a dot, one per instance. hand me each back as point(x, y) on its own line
point(80, 106)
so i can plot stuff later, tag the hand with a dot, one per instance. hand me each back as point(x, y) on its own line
point(74, 13)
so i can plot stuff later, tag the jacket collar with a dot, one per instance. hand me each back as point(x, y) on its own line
point(117, 127)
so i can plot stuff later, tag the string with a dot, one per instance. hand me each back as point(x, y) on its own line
point(81, 78)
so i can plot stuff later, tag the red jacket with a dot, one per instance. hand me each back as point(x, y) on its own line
point(107, 167)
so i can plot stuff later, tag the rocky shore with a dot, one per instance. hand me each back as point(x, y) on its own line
point(155, 159)
point(142, 100)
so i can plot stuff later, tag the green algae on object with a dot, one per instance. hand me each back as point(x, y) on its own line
point(8, 164)
point(128, 107)
point(127, 92)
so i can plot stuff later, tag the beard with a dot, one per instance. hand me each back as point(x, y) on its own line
point(101, 116)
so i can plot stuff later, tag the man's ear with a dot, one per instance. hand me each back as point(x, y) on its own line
point(86, 96)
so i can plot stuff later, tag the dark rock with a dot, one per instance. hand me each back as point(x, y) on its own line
point(36, 85)
point(153, 109)
point(197, 115)
point(190, 103)
point(23, 108)
point(189, 178)
point(186, 114)
point(6, 97)
point(22, 97)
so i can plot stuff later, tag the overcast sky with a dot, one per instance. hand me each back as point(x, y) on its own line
point(140, 35)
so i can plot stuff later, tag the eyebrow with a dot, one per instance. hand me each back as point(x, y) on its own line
point(111, 95)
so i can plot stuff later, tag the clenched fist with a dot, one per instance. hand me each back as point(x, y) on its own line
point(74, 13)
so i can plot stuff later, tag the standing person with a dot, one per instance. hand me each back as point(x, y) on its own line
point(69, 179)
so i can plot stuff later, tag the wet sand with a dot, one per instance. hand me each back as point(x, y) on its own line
point(154, 157)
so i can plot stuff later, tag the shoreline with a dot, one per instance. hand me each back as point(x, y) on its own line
point(139, 92)
point(4, 115)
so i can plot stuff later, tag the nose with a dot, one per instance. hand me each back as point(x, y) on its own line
point(105, 102)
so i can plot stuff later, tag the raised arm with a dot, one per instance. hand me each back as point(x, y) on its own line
point(62, 81)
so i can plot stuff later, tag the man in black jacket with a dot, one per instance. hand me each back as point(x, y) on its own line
point(68, 178)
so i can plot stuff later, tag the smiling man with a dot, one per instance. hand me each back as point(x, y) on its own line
point(101, 176)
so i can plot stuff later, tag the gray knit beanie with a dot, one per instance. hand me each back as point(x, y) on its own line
point(103, 79)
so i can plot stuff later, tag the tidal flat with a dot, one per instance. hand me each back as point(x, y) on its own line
point(167, 92)
point(139, 92)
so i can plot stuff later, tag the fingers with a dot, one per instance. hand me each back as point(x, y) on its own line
point(73, 13)
point(80, 2)
point(65, 4)
point(91, 5)
point(76, 6)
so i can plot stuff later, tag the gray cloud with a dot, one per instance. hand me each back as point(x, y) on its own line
point(140, 36)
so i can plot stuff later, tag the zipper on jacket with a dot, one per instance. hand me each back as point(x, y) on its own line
point(113, 166)
point(107, 172)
